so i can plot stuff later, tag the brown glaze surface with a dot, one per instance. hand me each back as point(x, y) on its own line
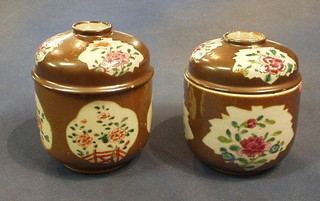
point(215, 71)
point(212, 105)
point(213, 87)
point(65, 85)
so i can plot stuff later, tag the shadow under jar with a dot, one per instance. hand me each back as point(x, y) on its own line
point(93, 94)
point(242, 95)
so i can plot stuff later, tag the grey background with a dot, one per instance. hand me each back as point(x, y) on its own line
point(166, 169)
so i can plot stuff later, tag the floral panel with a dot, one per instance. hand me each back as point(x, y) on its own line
point(187, 128)
point(250, 138)
point(102, 132)
point(205, 48)
point(49, 45)
point(111, 57)
point(266, 63)
point(44, 126)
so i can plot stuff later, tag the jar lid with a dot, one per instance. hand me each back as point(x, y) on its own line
point(243, 62)
point(92, 58)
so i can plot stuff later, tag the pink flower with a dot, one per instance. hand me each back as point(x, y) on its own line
point(117, 134)
point(115, 59)
point(251, 123)
point(84, 140)
point(273, 65)
point(253, 146)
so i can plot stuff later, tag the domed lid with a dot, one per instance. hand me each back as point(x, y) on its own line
point(243, 62)
point(92, 58)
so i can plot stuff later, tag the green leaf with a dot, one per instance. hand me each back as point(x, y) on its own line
point(252, 54)
point(136, 53)
point(244, 131)
point(128, 50)
point(129, 64)
point(46, 137)
point(97, 107)
point(259, 117)
point(234, 147)
point(254, 61)
point(99, 121)
point(261, 125)
point(96, 134)
point(124, 119)
point(290, 68)
point(277, 133)
point(260, 161)
point(243, 160)
point(274, 52)
point(116, 124)
point(80, 153)
point(105, 139)
point(131, 130)
point(119, 46)
point(111, 118)
point(266, 135)
point(271, 139)
point(268, 78)
point(238, 137)
point(228, 156)
point(94, 49)
point(72, 128)
point(89, 131)
point(269, 121)
point(223, 149)
point(224, 139)
point(234, 124)
point(275, 148)
point(228, 132)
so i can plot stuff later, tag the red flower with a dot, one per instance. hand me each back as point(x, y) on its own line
point(84, 140)
point(253, 146)
point(251, 123)
point(273, 65)
point(103, 115)
point(39, 122)
point(117, 134)
point(115, 59)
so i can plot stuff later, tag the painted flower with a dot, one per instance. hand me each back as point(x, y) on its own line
point(101, 44)
point(117, 134)
point(39, 122)
point(251, 123)
point(253, 146)
point(84, 140)
point(115, 59)
point(103, 115)
point(273, 65)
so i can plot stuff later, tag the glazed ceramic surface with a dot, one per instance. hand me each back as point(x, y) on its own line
point(93, 96)
point(241, 102)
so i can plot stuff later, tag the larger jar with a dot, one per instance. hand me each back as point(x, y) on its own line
point(241, 106)
point(93, 96)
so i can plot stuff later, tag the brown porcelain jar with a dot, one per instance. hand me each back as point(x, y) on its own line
point(241, 104)
point(93, 96)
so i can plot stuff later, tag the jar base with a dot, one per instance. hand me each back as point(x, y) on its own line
point(95, 171)
point(240, 174)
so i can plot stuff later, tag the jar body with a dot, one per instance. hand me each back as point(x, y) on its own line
point(95, 132)
point(240, 133)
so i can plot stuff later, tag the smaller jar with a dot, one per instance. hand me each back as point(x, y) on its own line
point(241, 104)
point(93, 89)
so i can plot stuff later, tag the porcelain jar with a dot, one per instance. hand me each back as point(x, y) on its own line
point(241, 104)
point(93, 91)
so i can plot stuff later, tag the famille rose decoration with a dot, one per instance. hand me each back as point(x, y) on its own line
point(93, 89)
point(241, 106)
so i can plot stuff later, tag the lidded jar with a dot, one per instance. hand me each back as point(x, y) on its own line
point(242, 95)
point(93, 89)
